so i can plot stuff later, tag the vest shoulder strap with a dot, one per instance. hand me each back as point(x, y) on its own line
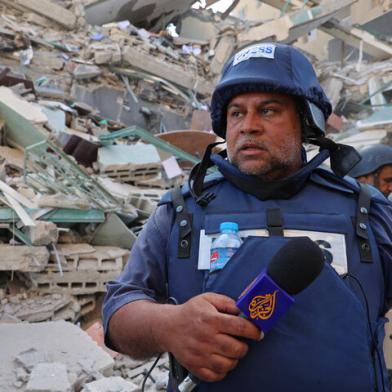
point(362, 221)
point(184, 222)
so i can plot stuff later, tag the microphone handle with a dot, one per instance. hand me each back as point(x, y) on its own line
point(188, 384)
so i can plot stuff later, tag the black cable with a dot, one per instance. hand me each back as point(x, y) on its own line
point(374, 341)
point(150, 370)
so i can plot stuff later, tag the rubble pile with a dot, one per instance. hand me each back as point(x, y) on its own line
point(102, 111)
point(361, 93)
point(81, 169)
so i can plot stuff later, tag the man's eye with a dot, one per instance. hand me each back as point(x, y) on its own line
point(267, 111)
point(235, 114)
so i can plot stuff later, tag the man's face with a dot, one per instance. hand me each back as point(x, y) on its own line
point(384, 180)
point(263, 134)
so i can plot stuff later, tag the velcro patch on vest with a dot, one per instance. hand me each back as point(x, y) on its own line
point(260, 50)
point(333, 246)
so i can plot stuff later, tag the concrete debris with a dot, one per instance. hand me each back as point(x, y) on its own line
point(58, 342)
point(111, 384)
point(32, 357)
point(43, 233)
point(38, 308)
point(156, 14)
point(23, 258)
point(47, 9)
point(30, 111)
point(103, 109)
point(135, 371)
point(49, 377)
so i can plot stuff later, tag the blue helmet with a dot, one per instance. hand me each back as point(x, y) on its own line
point(271, 67)
point(373, 157)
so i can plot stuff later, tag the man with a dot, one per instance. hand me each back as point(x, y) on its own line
point(375, 168)
point(267, 102)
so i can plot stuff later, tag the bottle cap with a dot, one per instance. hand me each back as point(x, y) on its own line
point(228, 226)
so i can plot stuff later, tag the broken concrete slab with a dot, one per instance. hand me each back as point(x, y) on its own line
point(31, 357)
point(56, 119)
point(129, 162)
point(48, 9)
point(174, 73)
point(12, 157)
point(60, 200)
point(62, 341)
point(376, 96)
point(112, 103)
point(82, 71)
point(38, 308)
point(149, 13)
point(43, 233)
point(106, 53)
point(71, 282)
point(84, 257)
point(223, 51)
point(359, 39)
point(143, 199)
point(19, 130)
point(380, 118)
point(111, 384)
point(364, 138)
point(86, 302)
point(294, 24)
point(29, 111)
point(23, 258)
point(49, 377)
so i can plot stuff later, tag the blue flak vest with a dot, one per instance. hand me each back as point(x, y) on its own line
point(323, 343)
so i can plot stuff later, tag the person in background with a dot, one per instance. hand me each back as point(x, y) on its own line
point(170, 299)
point(375, 168)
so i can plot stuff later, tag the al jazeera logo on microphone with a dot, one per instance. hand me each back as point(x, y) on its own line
point(261, 307)
point(263, 302)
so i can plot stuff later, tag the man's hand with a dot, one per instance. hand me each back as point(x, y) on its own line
point(205, 334)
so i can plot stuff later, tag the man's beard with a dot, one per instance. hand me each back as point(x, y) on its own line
point(268, 172)
point(274, 168)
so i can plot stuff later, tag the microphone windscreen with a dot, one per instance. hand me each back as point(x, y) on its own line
point(296, 264)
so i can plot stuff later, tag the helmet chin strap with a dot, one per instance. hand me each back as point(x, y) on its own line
point(342, 157)
point(198, 173)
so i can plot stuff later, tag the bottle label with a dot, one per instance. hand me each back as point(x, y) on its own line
point(219, 257)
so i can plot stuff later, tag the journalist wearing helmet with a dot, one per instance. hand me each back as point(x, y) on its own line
point(170, 298)
point(375, 168)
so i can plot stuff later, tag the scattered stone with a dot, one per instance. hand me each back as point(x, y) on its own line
point(23, 258)
point(31, 357)
point(82, 71)
point(111, 384)
point(43, 233)
point(49, 377)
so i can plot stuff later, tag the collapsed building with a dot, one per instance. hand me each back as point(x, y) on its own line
point(102, 111)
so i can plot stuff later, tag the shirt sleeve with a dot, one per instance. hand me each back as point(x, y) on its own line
point(381, 223)
point(144, 275)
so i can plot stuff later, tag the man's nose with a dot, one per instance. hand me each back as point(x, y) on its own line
point(252, 123)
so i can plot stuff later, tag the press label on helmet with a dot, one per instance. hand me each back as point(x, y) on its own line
point(259, 50)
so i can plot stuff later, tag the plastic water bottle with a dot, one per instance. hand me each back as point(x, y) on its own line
point(224, 246)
